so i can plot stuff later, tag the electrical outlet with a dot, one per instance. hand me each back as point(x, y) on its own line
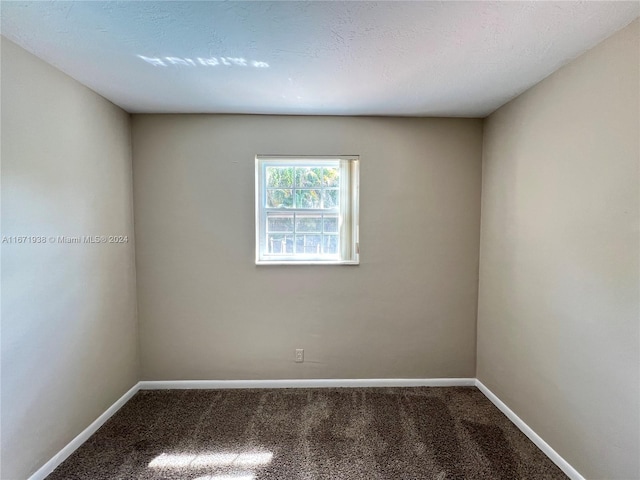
point(299, 355)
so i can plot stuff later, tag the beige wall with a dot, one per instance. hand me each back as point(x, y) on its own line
point(208, 312)
point(558, 319)
point(69, 335)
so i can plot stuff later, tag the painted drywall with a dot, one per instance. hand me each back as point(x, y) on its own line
point(206, 311)
point(69, 334)
point(558, 314)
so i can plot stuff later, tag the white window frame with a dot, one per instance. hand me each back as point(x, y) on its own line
point(348, 229)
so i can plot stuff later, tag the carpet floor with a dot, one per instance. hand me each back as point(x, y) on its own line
point(439, 433)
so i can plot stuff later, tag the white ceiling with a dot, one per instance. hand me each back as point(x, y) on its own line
point(430, 58)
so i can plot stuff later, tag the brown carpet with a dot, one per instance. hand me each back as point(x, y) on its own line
point(354, 433)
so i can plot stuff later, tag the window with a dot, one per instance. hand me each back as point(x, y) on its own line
point(306, 210)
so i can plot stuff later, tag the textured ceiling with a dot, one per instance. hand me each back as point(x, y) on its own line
point(342, 58)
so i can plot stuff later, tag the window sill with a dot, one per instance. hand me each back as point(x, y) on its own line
point(305, 262)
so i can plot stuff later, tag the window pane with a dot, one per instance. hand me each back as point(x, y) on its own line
point(280, 244)
point(331, 177)
point(280, 223)
point(306, 223)
point(330, 244)
point(308, 177)
point(331, 198)
point(308, 198)
point(280, 198)
point(308, 243)
point(279, 177)
point(331, 224)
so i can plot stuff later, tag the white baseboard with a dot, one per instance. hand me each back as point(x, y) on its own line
point(71, 447)
point(554, 456)
point(306, 383)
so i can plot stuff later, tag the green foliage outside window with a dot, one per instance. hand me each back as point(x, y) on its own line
point(302, 187)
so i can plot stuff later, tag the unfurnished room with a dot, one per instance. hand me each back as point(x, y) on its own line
point(300, 240)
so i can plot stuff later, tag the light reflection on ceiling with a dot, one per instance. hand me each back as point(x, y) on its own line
point(203, 62)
